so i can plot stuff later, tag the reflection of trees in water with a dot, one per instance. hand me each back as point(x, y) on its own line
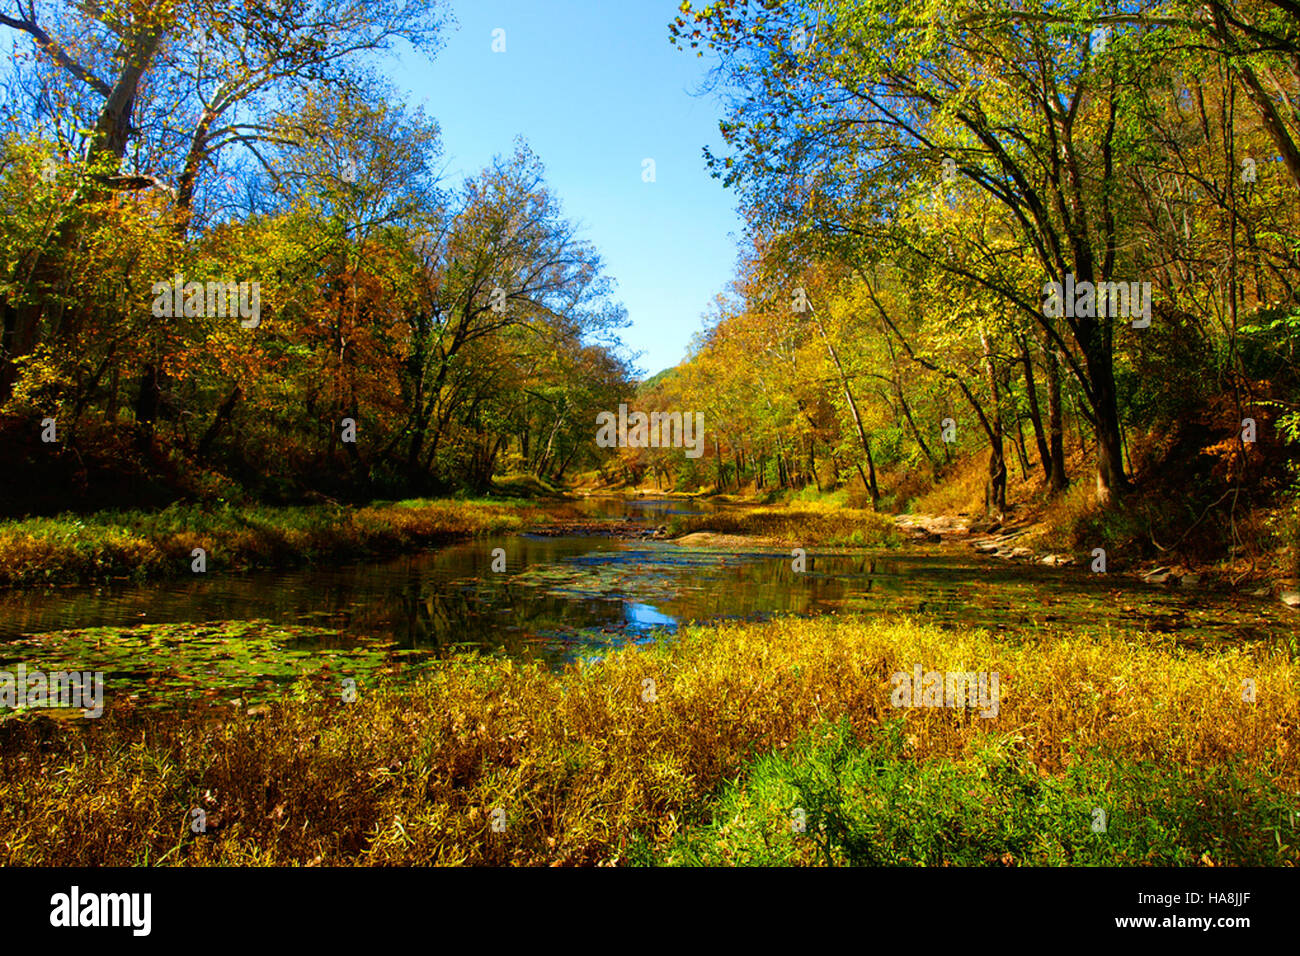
point(434, 621)
point(771, 585)
point(496, 616)
point(430, 602)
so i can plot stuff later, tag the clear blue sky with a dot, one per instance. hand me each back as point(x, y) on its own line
point(595, 87)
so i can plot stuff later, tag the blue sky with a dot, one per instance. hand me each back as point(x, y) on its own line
point(595, 88)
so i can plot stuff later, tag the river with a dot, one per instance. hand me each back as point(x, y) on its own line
point(561, 598)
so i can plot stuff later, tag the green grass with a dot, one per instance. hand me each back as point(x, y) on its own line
point(80, 549)
point(523, 485)
point(834, 799)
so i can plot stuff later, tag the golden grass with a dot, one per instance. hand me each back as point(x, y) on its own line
point(586, 762)
point(796, 523)
point(963, 489)
point(1064, 515)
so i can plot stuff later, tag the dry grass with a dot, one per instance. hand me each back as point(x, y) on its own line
point(586, 763)
point(796, 523)
point(962, 491)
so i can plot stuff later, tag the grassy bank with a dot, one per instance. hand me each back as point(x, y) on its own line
point(836, 800)
point(73, 549)
point(697, 750)
point(797, 523)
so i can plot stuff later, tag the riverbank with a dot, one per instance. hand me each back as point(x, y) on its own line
point(1068, 530)
point(699, 750)
point(143, 545)
point(793, 524)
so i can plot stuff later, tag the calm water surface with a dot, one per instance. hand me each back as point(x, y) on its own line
point(566, 597)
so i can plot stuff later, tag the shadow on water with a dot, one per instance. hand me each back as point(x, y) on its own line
point(561, 598)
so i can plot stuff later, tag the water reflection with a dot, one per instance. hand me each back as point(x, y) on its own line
point(642, 618)
point(562, 596)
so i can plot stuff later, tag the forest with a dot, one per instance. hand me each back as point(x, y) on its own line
point(913, 183)
point(966, 531)
point(451, 324)
point(916, 182)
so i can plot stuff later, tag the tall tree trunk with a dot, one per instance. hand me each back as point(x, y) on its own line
point(1035, 418)
point(871, 474)
point(218, 423)
point(997, 458)
point(1111, 482)
point(907, 410)
point(916, 432)
point(1020, 450)
point(1057, 479)
point(853, 410)
point(147, 402)
point(1270, 119)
